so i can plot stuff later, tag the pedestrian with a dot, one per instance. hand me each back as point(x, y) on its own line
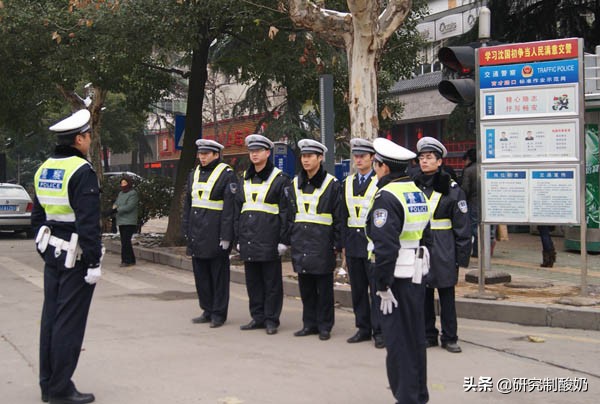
point(548, 251)
point(66, 217)
point(395, 226)
point(261, 226)
point(315, 238)
point(470, 187)
point(449, 244)
point(126, 210)
point(358, 191)
point(208, 230)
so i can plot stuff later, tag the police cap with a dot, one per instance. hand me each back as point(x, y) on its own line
point(430, 144)
point(75, 124)
point(310, 146)
point(255, 142)
point(207, 145)
point(388, 152)
point(361, 146)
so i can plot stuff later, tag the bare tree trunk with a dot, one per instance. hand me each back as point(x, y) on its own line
point(364, 122)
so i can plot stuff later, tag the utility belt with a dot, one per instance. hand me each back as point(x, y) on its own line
point(45, 238)
point(412, 263)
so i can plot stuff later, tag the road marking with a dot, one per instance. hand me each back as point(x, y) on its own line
point(30, 274)
point(523, 333)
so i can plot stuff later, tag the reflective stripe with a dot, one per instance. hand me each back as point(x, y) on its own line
point(201, 190)
point(310, 215)
point(363, 203)
point(415, 221)
point(437, 224)
point(260, 190)
point(52, 187)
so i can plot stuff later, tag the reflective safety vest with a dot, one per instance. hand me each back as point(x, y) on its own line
point(255, 195)
point(358, 206)
point(52, 187)
point(437, 224)
point(201, 190)
point(307, 204)
point(416, 211)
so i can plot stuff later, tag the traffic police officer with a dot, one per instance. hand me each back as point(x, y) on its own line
point(261, 228)
point(449, 244)
point(315, 238)
point(208, 229)
point(395, 225)
point(358, 191)
point(66, 217)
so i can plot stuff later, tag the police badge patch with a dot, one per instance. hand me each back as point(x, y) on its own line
point(233, 187)
point(462, 205)
point(380, 217)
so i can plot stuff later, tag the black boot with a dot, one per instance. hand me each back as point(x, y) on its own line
point(545, 259)
point(551, 258)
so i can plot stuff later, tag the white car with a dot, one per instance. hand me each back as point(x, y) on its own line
point(15, 209)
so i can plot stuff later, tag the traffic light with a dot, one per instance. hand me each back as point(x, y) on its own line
point(459, 64)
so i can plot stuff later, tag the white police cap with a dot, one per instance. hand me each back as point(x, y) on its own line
point(390, 153)
point(254, 142)
point(207, 145)
point(430, 144)
point(361, 146)
point(77, 123)
point(308, 146)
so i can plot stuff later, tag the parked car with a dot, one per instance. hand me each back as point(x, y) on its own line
point(15, 209)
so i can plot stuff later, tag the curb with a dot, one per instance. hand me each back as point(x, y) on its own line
point(530, 314)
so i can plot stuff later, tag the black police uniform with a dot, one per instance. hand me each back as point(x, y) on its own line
point(313, 252)
point(406, 360)
point(258, 233)
point(67, 297)
point(449, 249)
point(204, 229)
point(366, 312)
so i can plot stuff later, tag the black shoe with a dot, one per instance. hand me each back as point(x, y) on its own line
point(379, 342)
point(271, 330)
point(324, 335)
point(451, 347)
point(216, 324)
point(45, 397)
point(431, 343)
point(201, 320)
point(358, 337)
point(74, 398)
point(306, 331)
point(252, 325)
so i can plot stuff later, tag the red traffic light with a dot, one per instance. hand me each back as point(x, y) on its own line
point(460, 59)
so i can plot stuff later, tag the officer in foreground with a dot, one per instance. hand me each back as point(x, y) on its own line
point(208, 230)
point(261, 226)
point(395, 226)
point(66, 217)
point(315, 238)
point(449, 244)
point(358, 191)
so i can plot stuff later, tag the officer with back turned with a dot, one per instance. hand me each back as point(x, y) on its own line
point(395, 226)
point(66, 217)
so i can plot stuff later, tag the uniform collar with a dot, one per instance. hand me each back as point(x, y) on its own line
point(392, 177)
point(315, 181)
point(67, 151)
point(262, 174)
point(211, 166)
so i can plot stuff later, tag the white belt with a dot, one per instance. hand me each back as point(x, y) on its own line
point(44, 238)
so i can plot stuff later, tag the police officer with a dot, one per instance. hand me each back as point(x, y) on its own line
point(358, 191)
point(315, 238)
point(395, 225)
point(261, 226)
point(449, 244)
point(208, 229)
point(66, 217)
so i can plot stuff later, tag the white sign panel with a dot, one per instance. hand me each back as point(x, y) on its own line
point(505, 196)
point(531, 141)
point(529, 102)
point(553, 195)
point(448, 26)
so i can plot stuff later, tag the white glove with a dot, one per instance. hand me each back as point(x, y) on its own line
point(281, 249)
point(93, 275)
point(237, 247)
point(224, 244)
point(388, 301)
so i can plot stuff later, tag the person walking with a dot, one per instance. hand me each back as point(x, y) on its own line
point(358, 191)
point(449, 244)
point(261, 228)
point(66, 218)
point(315, 238)
point(126, 207)
point(395, 225)
point(208, 229)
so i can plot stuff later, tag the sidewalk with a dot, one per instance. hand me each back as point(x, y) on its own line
point(524, 301)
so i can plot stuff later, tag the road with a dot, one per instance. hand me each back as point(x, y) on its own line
point(140, 347)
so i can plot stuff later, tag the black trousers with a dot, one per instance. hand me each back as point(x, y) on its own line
point(67, 299)
point(212, 285)
point(316, 292)
point(447, 315)
point(126, 231)
point(366, 312)
point(265, 291)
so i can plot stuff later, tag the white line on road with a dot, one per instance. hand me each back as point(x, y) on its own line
point(26, 272)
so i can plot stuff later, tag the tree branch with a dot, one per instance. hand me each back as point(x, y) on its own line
point(333, 26)
point(391, 18)
point(183, 73)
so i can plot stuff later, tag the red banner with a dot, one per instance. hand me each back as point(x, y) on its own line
point(529, 52)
